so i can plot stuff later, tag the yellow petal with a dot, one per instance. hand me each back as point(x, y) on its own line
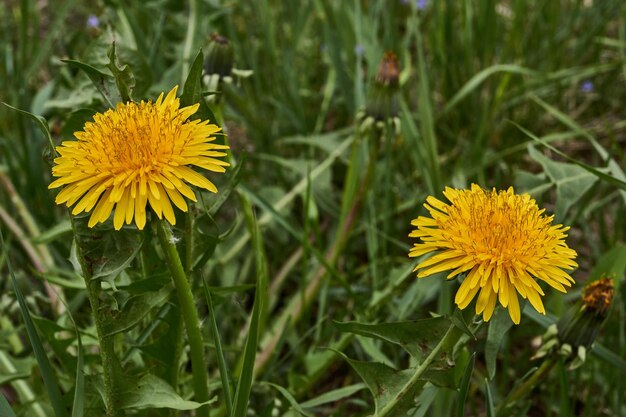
point(120, 210)
point(514, 310)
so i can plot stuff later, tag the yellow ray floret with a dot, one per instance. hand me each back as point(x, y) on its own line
point(501, 240)
point(134, 155)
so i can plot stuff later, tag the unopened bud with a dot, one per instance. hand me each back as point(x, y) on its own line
point(383, 101)
point(388, 70)
point(580, 325)
point(220, 56)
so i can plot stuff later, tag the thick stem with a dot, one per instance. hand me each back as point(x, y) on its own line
point(111, 366)
point(449, 338)
point(190, 316)
point(110, 363)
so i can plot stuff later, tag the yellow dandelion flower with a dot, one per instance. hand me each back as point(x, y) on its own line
point(501, 240)
point(135, 154)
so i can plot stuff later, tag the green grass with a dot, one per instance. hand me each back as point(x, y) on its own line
point(317, 207)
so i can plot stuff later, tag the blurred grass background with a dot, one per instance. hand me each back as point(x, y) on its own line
point(467, 71)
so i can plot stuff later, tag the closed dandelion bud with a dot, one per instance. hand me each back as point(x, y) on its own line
point(580, 325)
point(383, 103)
point(220, 56)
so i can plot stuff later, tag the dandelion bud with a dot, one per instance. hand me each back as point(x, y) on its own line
point(382, 103)
point(580, 325)
point(220, 56)
point(388, 70)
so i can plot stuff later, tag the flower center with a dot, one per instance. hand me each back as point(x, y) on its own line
point(135, 139)
point(495, 228)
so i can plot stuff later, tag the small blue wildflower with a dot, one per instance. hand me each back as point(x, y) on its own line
point(359, 49)
point(93, 22)
point(421, 4)
point(586, 87)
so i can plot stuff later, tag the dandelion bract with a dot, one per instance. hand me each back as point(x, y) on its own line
point(501, 240)
point(135, 154)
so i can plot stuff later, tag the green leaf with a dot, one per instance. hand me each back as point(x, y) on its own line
point(292, 401)
point(465, 383)
point(47, 373)
point(491, 411)
point(5, 408)
point(609, 356)
point(153, 392)
point(134, 310)
point(231, 289)
point(417, 337)
point(384, 382)
point(221, 361)
point(242, 394)
point(139, 67)
point(72, 280)
point(296, 233)
point(225, 191)
point(124, 79)
point(42, 124)
point(78, 406)
point(60, 229)
point(621, 184)
point(333, 396)
point(611, 263)
point(533, 184)
point(192, 91)
point(461, 322)
point(499, 325)
point(76, 122)
point(106, 252)
point(104, 83)
point(571, 181)
point(569, 122)
point(14, 376)
point(206, 236)
point(168, 324)
point(327, 142)
point(481, 77)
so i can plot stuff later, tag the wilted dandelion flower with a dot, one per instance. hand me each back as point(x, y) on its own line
point(135, 154)
point(501, 239)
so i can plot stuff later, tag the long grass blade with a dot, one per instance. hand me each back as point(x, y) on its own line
point(47, 373)
point(465, 383)
point(221, 361)
point(244, 385)
point(5, 408)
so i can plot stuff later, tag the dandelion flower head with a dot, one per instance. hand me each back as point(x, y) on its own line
point(135, 154)
point(501, 240)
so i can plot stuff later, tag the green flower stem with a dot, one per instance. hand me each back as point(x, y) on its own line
point(110, 362)
point(190, 316)
point(451, 336)
point(112, 369)
point(522, 390)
